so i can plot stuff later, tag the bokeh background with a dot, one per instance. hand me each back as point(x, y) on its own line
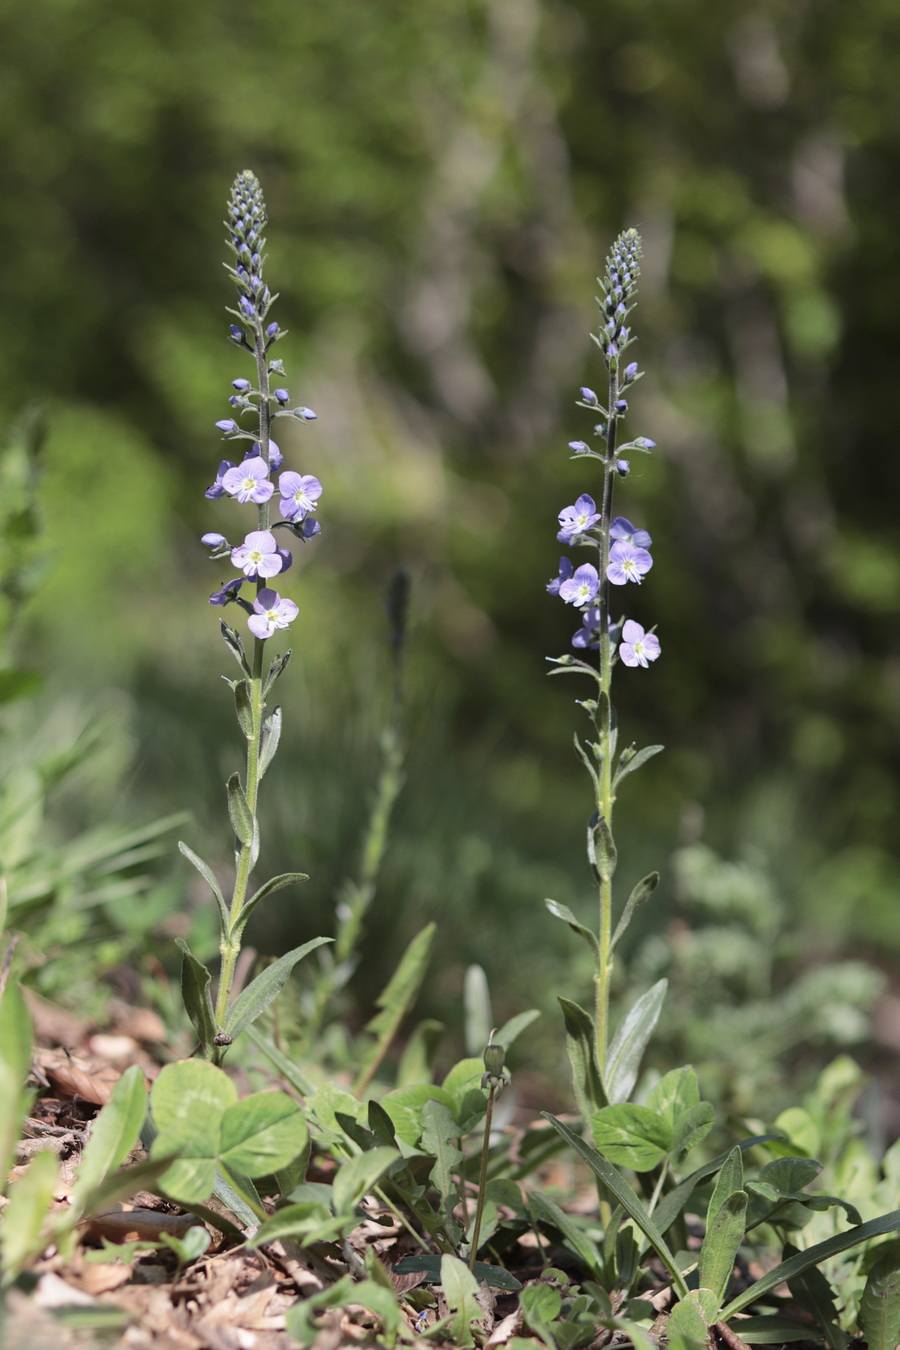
point(444, 178)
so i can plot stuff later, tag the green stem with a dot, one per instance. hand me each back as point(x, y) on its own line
point(603, 726)
point(482, 1180)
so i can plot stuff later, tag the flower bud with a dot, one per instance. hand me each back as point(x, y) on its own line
point(240, 385)
point(282, 395)
point(494, 1055)
point(588, 395)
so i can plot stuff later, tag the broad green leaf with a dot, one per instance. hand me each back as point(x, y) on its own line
point(676, 1092)
point(353, 1130)
point(329, 1099)
point(540, 1305)
point(560, 911)
point(460, 1289)
point(618, 1187)
point(404, 1106)
point(30, 1198)
point(634, 761)
point(630, 1041)
point(439, 1135)
point(394, 1003)
point(720, 1245)
point(193, 1244)
point(813, 1256)
point(355, 1178)
point(268, 888)
point(15, 1056)
point(632, 1136)
point(789, 1175)
point(543, 1210)
point(430, 1264)
point(195, 981)
point(693, 1126)
point(209, 877)
point(114, 1134)
point(239, 812)
point(688, 1321)
point(465, 1074)
point(262, 1133)
point(243, 707)
point(813, 1293)
point(639, 896)
point(261, 991)
point(581, 1048)
point(879, 1308)
point(192, 1093)
point(381, 1124)
point(729, 1180)
point(306, 1220)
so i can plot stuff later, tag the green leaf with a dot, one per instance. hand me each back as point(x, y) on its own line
point(271, 735)
point(232, 638)
point(563, 912)
point(676, 1092)
point(540, 1304)
point(209, 877)
point(239, 811)
point(355, 1178)
point(632, 1136)
point(16, 684)
point(195, 980)
point(261, 991)
point(511, 1030)
point(262, 1133)
point(813, 1293)
point(601, 848)
point(879, 1308)
point(629, 760)
point(188, 1101)
point(288, 1070)
point(127, 1181)
point(460, 1289)
point(720, 1245)
point(772, 1330)
point(15, 1057)
point(639, 896)
point(813, 1256)
point(693, 1126)
point(622, 1192)
point(405, 1106)
point(381, 1124)
point(630, 1042)
point(429, 1264)
point(268, 888)
point(30, 1198)
point(394, 1002)
point(729, 1180)
point(114, 1134)
point(543, 1210)
point(582, 1052)
point(687, 1324)
point(276, 669)
point(243, 707)
point(193, 1244)
point(439, 1138)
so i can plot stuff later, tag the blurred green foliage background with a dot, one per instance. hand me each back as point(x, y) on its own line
point(444, 178)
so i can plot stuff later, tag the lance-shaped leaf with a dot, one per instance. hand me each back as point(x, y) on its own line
point(724, 1235)
point(563, 912)
point(355, 1178)
point(460, 1289)
point(271, 735)
point(587, 1083)
point(268, 888)
point(813, 1256)
point(394, 1002)
point(618, 1187)
point(30, 1198)
point(209, 877)
point(543, 1210)
point(260, 992)
point(601, 847)
point(812, 1292)
point(114, 1134)
point(239, 811)
point(879, 1309)
point(243, 707)
point(276, 670)
point(195, 979)
point(15, 1056)
point(439, 1139)
point(639, 896)
point(630, 759)
point(729, 1180)
point(630, 1042)
point(590, 765)
point(236, 646)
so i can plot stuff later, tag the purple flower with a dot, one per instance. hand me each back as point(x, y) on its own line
point(272, 330)
point(638, 648)
point(276, 458)
point(271, 612)
point(588, 635)
point(623, 469)
point(240, 385)
point(623, 529)
point(217, 489)
point(308, 530)
point(299, 494)
point(565, 571)
point(582, 587)
point(286, 557)
point(588, 395)
point(621, 406)
point(227, 593)
point(576, 519)
point(579, 446)
point(627, 563)
point(282, 395)
point(631, 371)
point(249, 482)
point(236, 334)
point(213, 540)
point(227, 424)
point(306, 413)
point(245, 307)
point(258, 555)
